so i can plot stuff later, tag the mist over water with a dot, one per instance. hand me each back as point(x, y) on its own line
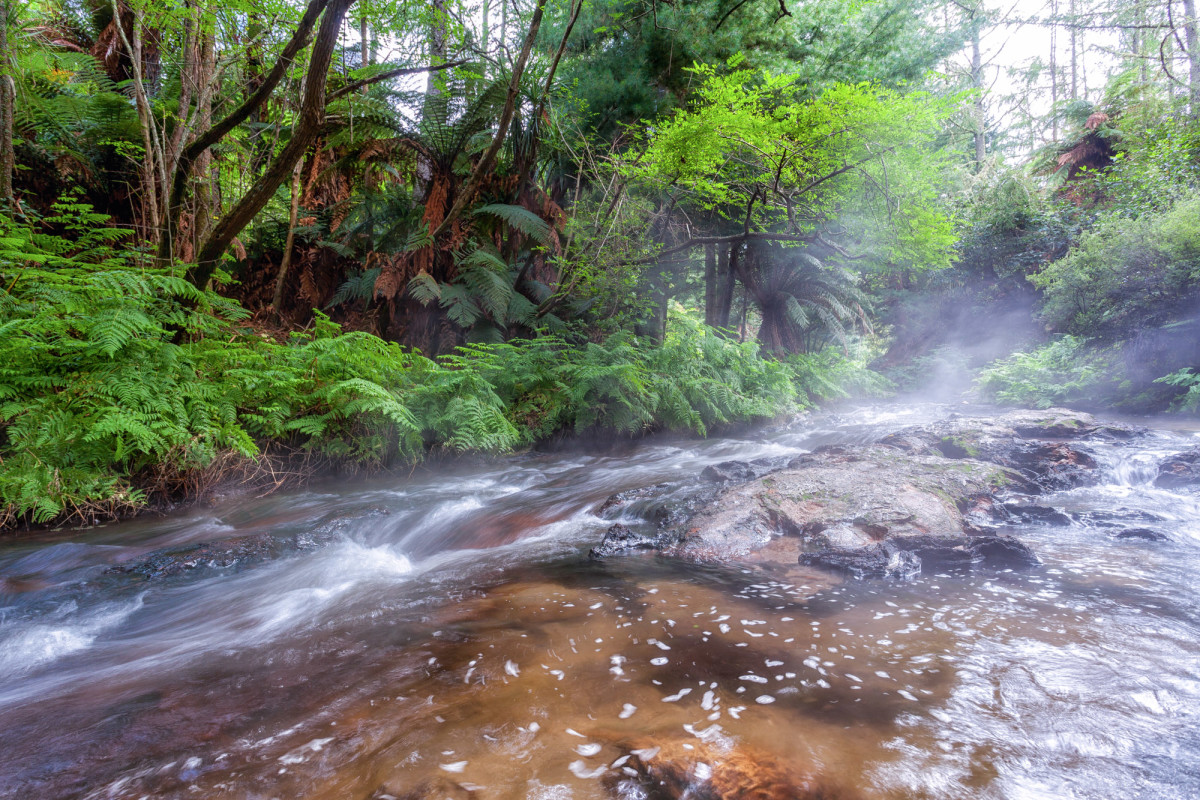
point(448, 630)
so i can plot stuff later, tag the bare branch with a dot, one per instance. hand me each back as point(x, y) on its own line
point(350, 88)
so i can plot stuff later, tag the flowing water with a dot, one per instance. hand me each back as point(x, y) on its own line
point(447, 630)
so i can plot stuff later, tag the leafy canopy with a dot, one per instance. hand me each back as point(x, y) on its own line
point(855, 161)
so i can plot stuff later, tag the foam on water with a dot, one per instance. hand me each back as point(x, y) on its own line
point(26, 645)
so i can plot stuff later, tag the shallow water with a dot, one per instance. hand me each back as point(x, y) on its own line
point(447, 630)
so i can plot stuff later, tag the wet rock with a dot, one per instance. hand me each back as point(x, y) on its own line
point(1004, 552)
point(906, 557)
point(1041, 445)
point(863, 511)
point(667, 770)
point(1118, 517)
point(1013, 513)
point(619, 539)
point(1181, 469)
point(236, 552)
point(929, 493)
point(221, 554)
point(729, 471)
point(621, 500)
point(1144, 534)
point(881, 560)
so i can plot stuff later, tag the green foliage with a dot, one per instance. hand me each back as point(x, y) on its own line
point(521, 219)
point(118, 379)
point(1157, 166)
point(110, 370)
point(628, 59)
point(1188, 380)
point(1064, 371)
point(1009, 228)
point(835, 374)
point(1125, 274)
point(756, 150)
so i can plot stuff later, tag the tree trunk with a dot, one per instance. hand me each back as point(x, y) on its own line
point(286, 261)
point(710, 283)
point(978, 134)
point(727, 266)
point(365, 55)
point(653, 324)
point(435, 81)
point(312, 119)
point(1192, 39)
point(484, 37)
point(259, 145)
point(206, 139)
point(488, 158)
point(1140, 51)
point(1074, 52)
point(434, 106)
point(152, 166)
point(1054, 70)
point(8, 92)
point(204, 208)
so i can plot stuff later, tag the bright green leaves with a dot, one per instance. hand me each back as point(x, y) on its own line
point(754, 149)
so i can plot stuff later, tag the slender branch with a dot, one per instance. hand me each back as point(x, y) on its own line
point(310, 124)
point(350, 88)
point(485, 162)
point(1162, 58)
point(727, 13)
point(183, 168)
point(696, 241)
point(576, 7)
point(814, 184)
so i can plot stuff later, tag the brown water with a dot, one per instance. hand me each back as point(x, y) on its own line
point(446, 633)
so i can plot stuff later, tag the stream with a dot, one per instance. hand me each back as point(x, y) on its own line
point(444, 634)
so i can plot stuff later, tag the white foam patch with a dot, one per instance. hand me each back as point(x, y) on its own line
point(580, 770)
point(27, 645)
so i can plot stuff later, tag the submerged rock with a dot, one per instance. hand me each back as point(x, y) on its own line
point(233, 553)
point(882, 560)
point(434, 789)
point(1120, 517)
point(666, 770)
point(1144, 534)
point(741, 471)
point(619, 539)
point(1027, 513)
point(1181, 469)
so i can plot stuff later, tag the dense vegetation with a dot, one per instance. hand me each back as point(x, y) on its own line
point(253, 241)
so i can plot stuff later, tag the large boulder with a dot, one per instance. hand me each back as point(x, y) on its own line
point(1046, 447)
point(1181, 469)
point(865, 511)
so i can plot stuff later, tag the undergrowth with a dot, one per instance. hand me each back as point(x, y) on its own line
point(1065, 371)
point(122, 384)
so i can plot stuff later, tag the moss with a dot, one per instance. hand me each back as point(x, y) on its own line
point(957, 447)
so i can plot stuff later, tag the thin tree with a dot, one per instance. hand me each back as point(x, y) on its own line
point(8, 92)
point(304, 133)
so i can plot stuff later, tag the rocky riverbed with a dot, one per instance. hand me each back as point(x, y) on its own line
point(925, 497)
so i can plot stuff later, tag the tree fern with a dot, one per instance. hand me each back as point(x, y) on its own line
point(520, 218)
